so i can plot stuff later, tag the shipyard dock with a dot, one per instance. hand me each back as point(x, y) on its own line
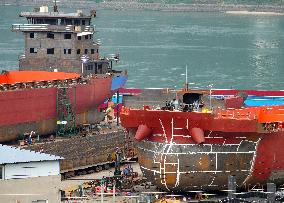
point(90, 157)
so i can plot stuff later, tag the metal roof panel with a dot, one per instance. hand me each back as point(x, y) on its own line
point(9, 154)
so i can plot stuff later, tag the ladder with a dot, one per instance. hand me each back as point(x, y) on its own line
point(66, 119)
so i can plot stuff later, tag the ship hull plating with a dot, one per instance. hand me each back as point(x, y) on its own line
point(26, 110)
point(181, 167)
point(238, 146)
point(45, 127)
point(184, 167)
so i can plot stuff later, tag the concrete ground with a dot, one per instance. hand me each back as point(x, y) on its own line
point(79, 180)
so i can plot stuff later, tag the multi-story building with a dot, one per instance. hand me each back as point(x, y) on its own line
point(56, 41)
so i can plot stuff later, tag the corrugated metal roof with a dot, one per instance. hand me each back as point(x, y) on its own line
point(10, 154)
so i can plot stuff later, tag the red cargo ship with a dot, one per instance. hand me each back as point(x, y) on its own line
point(191, 145)
point(29, 100)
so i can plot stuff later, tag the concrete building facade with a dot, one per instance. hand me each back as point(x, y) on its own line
point(44, 189)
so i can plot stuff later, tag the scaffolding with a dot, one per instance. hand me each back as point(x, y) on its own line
point(66, 119)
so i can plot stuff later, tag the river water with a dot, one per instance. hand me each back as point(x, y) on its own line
point(228, 51)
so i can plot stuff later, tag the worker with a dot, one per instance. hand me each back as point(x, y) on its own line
point(30, 139)
point(130, 168)
point(126, 172)
point(175, 104)
point(117, 158)
point(103, 183)
point(110, 111)
point(167, 104)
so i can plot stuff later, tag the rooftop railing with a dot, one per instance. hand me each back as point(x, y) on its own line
point(52, 28)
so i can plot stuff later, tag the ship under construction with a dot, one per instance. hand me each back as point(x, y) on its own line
point(62, 78)
point(202, 137)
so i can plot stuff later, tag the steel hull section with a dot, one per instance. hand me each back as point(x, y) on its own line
point(174, 161)
point(35, 109)
point(182, 167)
point(257, 159)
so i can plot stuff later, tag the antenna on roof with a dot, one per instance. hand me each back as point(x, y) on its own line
point(186, 79)
point(55, 8)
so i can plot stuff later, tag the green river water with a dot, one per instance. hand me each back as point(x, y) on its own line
point(228, 51)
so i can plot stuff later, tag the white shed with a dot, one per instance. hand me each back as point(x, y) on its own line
point(28, 176)
point(16, 163)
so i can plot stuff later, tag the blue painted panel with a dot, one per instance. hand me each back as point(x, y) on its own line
point(118, 82)
point(264, 101)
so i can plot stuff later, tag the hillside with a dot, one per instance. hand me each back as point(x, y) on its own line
point(163, 5)
point(248, 2)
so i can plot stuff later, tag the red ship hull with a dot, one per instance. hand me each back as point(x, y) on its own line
point(196, 150)
point(35, 109)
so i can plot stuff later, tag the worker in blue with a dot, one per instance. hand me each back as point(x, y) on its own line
point(30, 140)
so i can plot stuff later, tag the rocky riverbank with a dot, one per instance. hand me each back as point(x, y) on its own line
point(189, 7)
point(134, 5)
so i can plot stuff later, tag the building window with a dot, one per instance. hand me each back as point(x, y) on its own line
point(50, 51)
point(33, 50)
point(76, 22)
point(67, 51)
point(86, 36)
point(78, 51)
point(79, 37)
point(97, 51)
point(67, 36)
point(90, 67)
point(32, 35)
point(86, 51)
point(96, 68)
point(68, 22)
point(50, 35)
point(83, 22)
point(100, 68)
point(1, 172)
point(92, 51)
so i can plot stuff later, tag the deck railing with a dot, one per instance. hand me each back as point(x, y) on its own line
point(53, 28)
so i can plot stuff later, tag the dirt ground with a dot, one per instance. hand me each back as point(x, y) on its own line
point(79, 180)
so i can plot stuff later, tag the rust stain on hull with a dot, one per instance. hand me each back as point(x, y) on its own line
point(45, 127)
